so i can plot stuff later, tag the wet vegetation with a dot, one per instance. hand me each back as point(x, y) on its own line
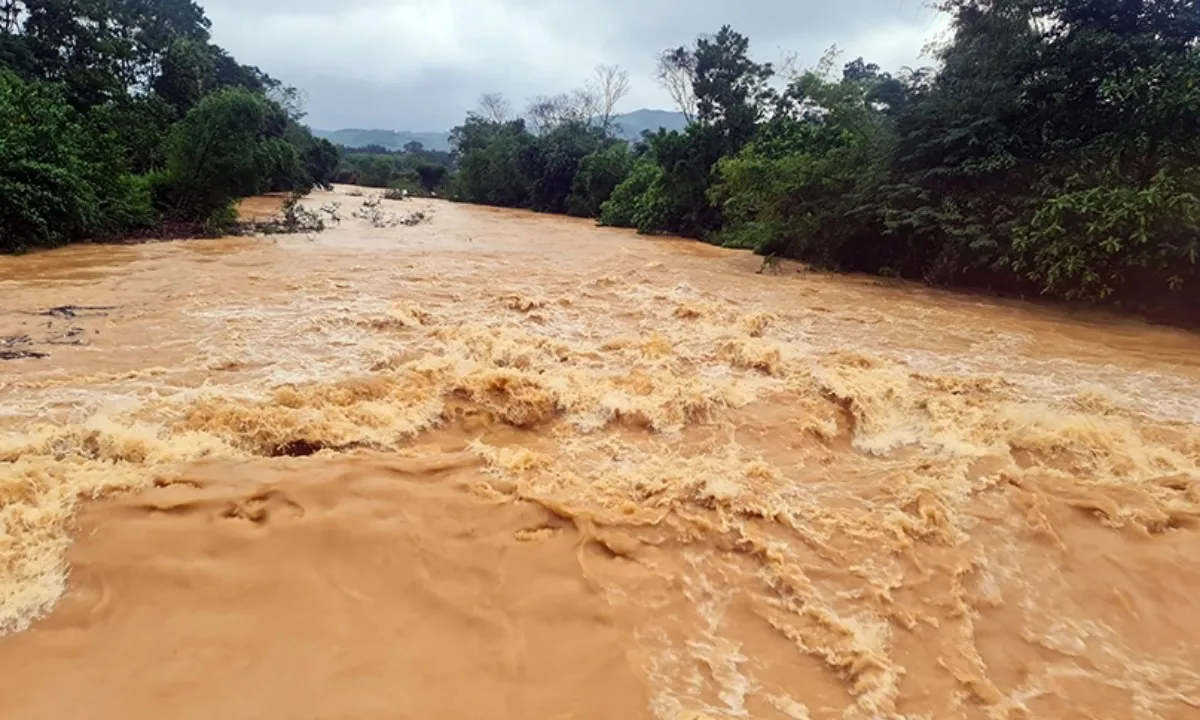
point(121, 119)
point(1054, 149)
point(415, 169)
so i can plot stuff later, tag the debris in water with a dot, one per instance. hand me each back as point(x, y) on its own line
point(12, 347)
point(22, 355)
point(70, 337)
point(372, 212)
point(296, 219)
point(72, 311)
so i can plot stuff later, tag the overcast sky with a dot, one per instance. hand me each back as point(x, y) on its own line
point(422, 64)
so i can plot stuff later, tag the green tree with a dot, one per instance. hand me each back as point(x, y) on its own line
point(636, 202)
point(230, 145)
point(731, 89)
point(187, 67)
point(140, 124)
point(61, 179)
point(552, 159)
point(731, 95)
point(597, 176)
point(432, 177)
point(965, 157)
point(808, 185)
point(321, 159)
point(98, 48)
point(109, 103)
point(490, 170)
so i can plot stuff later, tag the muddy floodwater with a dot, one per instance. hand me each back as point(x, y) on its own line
point(503, 465)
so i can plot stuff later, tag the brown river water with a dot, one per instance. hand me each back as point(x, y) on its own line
point(502, 465)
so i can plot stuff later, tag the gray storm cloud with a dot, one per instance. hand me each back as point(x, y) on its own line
point(421, 64)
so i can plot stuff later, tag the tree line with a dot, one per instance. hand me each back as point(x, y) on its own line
point(1054, 149)
point(121, 117)
point(413, 168)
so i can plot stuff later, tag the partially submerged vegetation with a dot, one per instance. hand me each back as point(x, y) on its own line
point(293, 217)
point(373, 212)
point(1054, 150)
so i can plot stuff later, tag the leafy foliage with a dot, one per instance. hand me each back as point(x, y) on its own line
point(551, 162)
point(637, 202)
point(118, 117)
point(227, 147)
point(730, 94)
point(804, 186)
point(598, 175)
point(60, 181)
point(1095, 238)
point(490, 167)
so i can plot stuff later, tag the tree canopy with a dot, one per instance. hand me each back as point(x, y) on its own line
point(120, 116)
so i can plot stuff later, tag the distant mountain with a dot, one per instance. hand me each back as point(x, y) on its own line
point(630, 127)
point(632, 124)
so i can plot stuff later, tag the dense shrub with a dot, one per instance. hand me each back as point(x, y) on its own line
point(222, 150)
point(61, 179)
point(632, 204)
point(114, 120)
point(597, 176)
